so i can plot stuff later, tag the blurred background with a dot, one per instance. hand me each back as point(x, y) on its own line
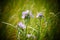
point(10, 13)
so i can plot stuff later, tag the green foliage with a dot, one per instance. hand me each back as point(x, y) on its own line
point(40, 28)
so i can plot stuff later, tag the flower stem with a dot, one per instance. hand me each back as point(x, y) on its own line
point(39, 25)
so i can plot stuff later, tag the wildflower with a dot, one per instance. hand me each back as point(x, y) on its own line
point(39, 15)
point(27, 14)
point(24, 13)
point(21, 25)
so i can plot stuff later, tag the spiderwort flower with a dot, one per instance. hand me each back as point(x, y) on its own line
point(39, 15)
point(27, 14)
point(20, 24)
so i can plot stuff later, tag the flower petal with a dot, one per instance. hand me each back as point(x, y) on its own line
point(21, 25)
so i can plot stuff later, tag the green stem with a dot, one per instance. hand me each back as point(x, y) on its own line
point(25, 32)
point(39, 25)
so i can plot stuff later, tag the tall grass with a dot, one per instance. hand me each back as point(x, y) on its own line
point(34, 28)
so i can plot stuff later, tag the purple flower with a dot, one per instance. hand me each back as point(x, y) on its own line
point(39, 15)
point(25, 13)
point(20, 24)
